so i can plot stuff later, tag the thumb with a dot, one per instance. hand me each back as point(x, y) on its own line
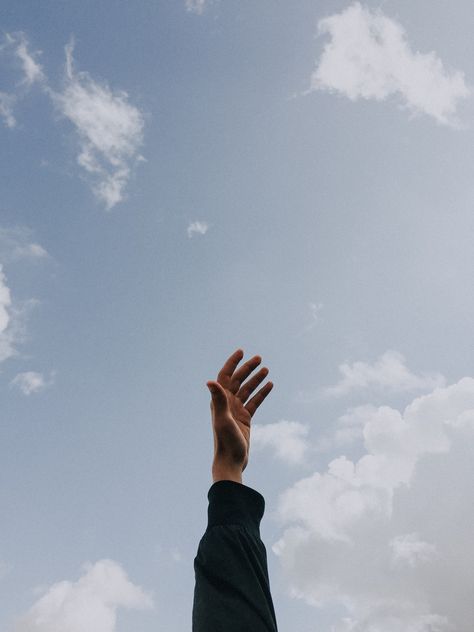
point(219, 398)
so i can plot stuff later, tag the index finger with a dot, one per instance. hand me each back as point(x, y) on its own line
point(230, 364)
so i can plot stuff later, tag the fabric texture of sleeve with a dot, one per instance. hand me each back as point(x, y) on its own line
point(232, 587)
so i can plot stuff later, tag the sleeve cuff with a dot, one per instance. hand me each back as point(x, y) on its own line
point(235, 503)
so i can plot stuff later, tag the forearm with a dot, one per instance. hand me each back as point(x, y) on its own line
point(221, 472)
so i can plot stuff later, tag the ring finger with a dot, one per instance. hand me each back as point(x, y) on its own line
point(247, 389)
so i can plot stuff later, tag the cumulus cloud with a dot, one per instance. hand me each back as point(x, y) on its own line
point(368, 57)
point(32, 382)
point(349, 426)
point(286, 439)
point(90, 603)
point(109, 128)
point(389, 372)
point(197, 227)
point(409, 549)
point(387, 537)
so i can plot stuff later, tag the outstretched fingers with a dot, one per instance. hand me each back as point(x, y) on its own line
point(230, 365)
point(258, 398)
point(248, 388)
point(243, 372)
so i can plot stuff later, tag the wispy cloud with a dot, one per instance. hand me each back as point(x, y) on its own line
point(315, 308)
point(13, 318)
point(403, 511)
point(368, 57)
point(7, 102)
point(16, 243)
point(15, 46)
point(6, 331)
point(32, 382)
point(32, 70)
point(196, 6)
point(389, 371)
point(110, 130)
point(197, 227)
point(109, 127)
point(90, 603)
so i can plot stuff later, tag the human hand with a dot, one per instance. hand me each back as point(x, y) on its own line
point(231, 416)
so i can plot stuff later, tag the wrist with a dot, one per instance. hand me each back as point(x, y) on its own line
point(223, 473)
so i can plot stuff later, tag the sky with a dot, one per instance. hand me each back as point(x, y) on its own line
point(184, 178)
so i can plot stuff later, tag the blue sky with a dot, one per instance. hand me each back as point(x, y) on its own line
point(181, 179)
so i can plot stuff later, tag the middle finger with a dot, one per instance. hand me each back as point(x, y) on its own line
point(243, 372)
point(249, 386)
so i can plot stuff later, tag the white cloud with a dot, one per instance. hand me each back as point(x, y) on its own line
point(32, 382)
point(389, 372)
point(409, 549)
point(7, 336)
point(388, 536)
point(5, 302)
point(286, 438)
point(110, 130)
point(315, 308)
point(368, 57)
point(6, 108)
point(32, 70)
point(196, 6)
point(197, 227)
point(351, 424)
point(15, 244)
point(87, 605)
point(16, 47)
point(34, 251)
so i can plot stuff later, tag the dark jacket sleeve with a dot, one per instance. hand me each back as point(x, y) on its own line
point(232, 587)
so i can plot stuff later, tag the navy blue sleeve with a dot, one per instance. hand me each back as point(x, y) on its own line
point(232, 587)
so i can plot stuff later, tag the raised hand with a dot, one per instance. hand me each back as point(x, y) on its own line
point(232, 413)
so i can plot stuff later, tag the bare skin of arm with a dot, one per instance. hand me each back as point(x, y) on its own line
point(232, 413)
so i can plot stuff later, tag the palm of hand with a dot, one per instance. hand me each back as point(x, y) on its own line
point(231, 427)
point(241, 418)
